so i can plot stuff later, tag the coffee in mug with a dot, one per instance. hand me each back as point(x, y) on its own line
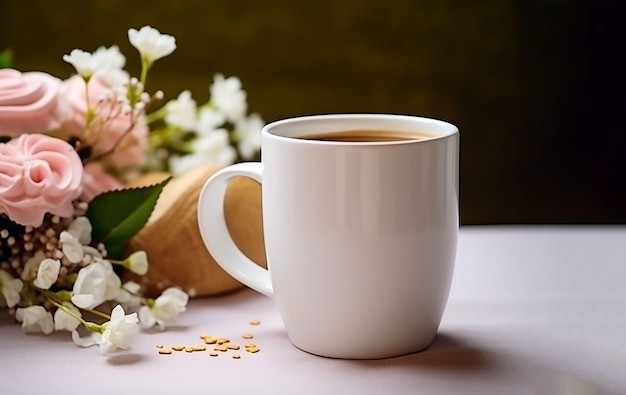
point(365, 136)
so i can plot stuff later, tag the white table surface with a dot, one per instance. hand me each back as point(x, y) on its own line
point(533, 310)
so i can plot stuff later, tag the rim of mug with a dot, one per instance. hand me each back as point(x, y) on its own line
point(438, 129)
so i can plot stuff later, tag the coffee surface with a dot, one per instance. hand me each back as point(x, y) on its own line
point(366, 136)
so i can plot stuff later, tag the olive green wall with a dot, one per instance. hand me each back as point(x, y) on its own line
point(536, 87)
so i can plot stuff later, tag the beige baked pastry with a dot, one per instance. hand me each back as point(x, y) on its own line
point(172, 241)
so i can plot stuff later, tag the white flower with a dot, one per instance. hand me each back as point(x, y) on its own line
point(216, 148)
point(71, 247)
point(31, 266)
point(166, 308)
point(73, 239)
point(128, 296)
point(248, 131)
point(137, 262)
point(117, 332)
point(210, 149)
point(209, 120)
point(107, 62)
point(48, 273)
point(64, 321)
point(81, 229)
point(113, 283)
point(88, 291)
point(95, 284)
point(35, 319)
point(84, 62)
point(151, 44)
point(110, 66)
point(228, 97)
point(109, 58)
point(182, 111)
point(10, 288)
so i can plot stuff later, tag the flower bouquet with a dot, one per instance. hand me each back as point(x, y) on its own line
point(68, 151)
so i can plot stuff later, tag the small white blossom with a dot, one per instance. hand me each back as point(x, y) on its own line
point(109, 58)
point(88, 291)
point(166, 308)
point(145, 98)
point(137, 262)
point(64, 321)
point(110, 66)
point(211, 149)
point(48, 273)
point(29, 273)
point(35, 319)
point(117, 332)
point(73, 239)
point(228, 97)
point(117, 82)
point(113, 282)
point(95, 284)
point(182, 111)
point(81, 229)
point(216, 148)
point(71, 247)
point(84, 62)
point(107, 62)
point(248, 131)
point(128, 296)
point(209, 120)
point(10, 288)
point(151, 43)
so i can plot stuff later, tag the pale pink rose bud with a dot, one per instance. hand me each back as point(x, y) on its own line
point(39, 174)
point(109, 125)
point(30, 103)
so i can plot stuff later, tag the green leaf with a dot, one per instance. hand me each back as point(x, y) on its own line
point(116, 216)
point(6, 58)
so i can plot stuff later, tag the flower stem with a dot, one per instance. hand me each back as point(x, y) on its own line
point(57, 300)
point(115, 145)
point(156, 115)
point(145, 66)
point(147, 301)
point(98, 313)
point(90, 114)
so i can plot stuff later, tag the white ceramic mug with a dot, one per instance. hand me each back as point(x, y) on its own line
point(360, 237)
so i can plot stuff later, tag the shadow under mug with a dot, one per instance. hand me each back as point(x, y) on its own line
point(360, 236)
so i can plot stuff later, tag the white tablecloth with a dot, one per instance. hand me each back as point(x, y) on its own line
point(533, 310)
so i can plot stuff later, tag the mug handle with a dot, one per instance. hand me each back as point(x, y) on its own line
point(215, 234)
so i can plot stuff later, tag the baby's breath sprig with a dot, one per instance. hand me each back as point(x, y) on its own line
point(52, 276)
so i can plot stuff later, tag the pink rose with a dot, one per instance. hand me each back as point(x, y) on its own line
point(96, 181)
point(39, 174)
point(109, 125)
point(30, 103)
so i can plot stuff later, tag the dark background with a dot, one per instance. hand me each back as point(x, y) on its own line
point(536, 87)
